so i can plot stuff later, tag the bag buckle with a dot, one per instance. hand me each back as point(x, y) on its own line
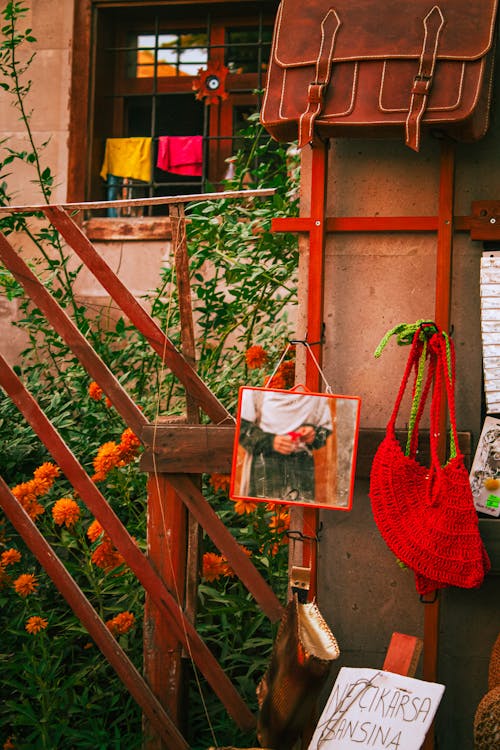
point(316, 93)
point(422, 85)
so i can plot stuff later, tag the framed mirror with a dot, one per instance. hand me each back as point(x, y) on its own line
point(295, 447)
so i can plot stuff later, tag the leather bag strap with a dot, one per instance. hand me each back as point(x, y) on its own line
point(422, 84)
point(317, 89)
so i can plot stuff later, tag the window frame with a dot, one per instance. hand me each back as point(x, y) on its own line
point(80, 170)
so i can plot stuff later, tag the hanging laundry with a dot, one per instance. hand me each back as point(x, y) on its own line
point(181, 154)
point(127, 157)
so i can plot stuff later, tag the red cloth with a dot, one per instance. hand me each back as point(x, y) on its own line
point(181, 154)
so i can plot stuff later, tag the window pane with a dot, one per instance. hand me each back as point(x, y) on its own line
point(174, 54)
point(248, 49)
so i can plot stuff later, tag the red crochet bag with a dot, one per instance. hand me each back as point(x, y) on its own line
point(426, 515)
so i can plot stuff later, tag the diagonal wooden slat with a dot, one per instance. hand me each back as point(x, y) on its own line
point(110, 648)
point(227, 544)
point(161, 344)
point(138, 563)
point(135, 419)
point(65, 327)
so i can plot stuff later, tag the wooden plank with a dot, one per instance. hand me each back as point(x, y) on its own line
point(137, 562)
point(130, 202)
point(110, 648)
point(193, 449)
point(118, 229)
point(78, 344)
point(370, 439)
point(160, 343)
point(208, 448)
point(403, 654)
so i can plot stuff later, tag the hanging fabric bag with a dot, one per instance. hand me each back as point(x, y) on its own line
point(302, 656)
point(426, 514)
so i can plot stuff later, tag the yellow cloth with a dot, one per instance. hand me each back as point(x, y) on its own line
point(128, 157)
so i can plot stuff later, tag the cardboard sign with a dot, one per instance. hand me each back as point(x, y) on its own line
point(370, 708)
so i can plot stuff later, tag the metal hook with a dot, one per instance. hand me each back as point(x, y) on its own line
point(429, 601)
point(298, 536)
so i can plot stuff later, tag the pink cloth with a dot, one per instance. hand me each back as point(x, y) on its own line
point(181, 154)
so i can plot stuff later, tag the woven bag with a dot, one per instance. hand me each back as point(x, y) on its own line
point(426, 514)
point(487, 722)
point(494, 666)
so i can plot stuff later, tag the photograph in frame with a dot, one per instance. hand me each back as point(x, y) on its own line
point(295, 447)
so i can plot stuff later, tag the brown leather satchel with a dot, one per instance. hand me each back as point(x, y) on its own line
point(360, 67)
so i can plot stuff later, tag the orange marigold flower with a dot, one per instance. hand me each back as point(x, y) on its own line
point(121, 623)
point(284, 377)
point(213, 566)
point(108, 457)
point(95, 391)
point(26, 491)
point(25, 584)
point(108, 402)
point(45, 476)
point(10, 556)
point(65, 512)
point(244, 506)
point(35, 624)
point(34, 509)
point(280, 522)
point(255, 357)
point(220, 481)
point(129, 445)
point(9, 744)
point(94, 531)
point(106, 556)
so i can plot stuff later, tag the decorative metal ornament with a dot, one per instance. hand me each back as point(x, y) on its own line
point(210, 84)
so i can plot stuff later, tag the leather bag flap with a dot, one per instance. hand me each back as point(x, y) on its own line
point(368, 30)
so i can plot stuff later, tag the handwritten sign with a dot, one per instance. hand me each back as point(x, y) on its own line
point(369, 708)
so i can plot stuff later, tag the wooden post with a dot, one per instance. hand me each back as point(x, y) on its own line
point(444, 258)
point(173, 534)
point(315, 294)
point(166, 522)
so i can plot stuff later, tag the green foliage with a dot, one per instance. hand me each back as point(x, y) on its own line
point(56, 689)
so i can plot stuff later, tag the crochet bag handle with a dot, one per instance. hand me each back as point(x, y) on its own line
point(442, 345)
point(439, 351)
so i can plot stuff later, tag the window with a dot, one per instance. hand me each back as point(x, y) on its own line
point(145, 62)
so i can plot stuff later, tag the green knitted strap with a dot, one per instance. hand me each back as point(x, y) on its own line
point(453, 446)
point(404, 333)
point(417, 395)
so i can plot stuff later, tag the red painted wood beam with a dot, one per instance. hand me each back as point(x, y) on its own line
point(110, 648)
point(370, 224)
point(315, 317)
point(161, 344)
point(442, 308)
point(132, 555)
